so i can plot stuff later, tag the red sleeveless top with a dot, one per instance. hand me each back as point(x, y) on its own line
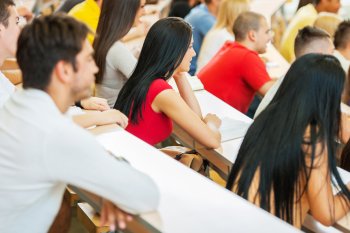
point(153, 127)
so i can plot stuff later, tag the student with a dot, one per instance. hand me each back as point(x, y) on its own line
point(9, 31)
point(305, 16)
point(237, 72)
point(114, 59)
point(222, 30)
point(308, 40)
point(151, 103)
point(202, 18)
point(342, 44)
point(41, 150)
point(287, 167)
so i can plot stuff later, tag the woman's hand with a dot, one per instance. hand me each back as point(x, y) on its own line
point(212, 119)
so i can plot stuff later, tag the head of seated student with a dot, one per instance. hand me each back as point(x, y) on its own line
point(312, 40)
point(55, 56)
point(251, 30)
point(116, 19)
point(342, 39)
point(328, 22)
point(228, 12)
point(331, 6)
point(279, 165)
point(167, 50)
point(9, 29)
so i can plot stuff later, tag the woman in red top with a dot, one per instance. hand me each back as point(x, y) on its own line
point(151, 103)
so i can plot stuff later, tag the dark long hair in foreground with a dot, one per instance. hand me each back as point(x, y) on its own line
point(163, 50)
point(309, 96)
point(116, 20)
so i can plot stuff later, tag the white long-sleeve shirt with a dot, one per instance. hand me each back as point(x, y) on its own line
point(41, 151)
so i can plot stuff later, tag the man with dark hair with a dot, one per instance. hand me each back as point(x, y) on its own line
point(236, 72)
point(9, 31)
point(308, 40)
point(39, 152)
point(202, 18)
point(342, 44)
point(305, 16)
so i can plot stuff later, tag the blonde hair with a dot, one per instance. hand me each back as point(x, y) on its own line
point(228, 12)
point(328, 22)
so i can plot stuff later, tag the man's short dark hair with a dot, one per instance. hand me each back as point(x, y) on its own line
point(246, 22)
point(342, 35)
point(4, 11)
point(45, 42)
point(306, 36)
point(316, 2)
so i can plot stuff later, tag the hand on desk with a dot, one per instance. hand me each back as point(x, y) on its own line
point(212, 120)
point(95, 103)
point(112, 215)
point(113, 116)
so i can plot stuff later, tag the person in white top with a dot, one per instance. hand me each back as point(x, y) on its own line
point(222, 30)
point(342, 44)
point(308, 40)
point(9, 31)
point(41, 150)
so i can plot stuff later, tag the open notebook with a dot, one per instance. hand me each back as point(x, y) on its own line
point(232, 129)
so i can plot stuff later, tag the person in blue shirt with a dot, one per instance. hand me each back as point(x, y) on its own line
point(202, 18)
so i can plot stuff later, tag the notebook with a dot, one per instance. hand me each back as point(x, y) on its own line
point(232, 129)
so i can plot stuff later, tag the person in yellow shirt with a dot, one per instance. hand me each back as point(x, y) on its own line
point(305, 16)
point(89, 13)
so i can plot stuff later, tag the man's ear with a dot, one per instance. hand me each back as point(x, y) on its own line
point(63, 71)
point(251, 35)
point(2, 30)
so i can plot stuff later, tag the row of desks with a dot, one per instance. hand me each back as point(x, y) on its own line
point(189, 202)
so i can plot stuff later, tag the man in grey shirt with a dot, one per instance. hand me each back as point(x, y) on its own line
point(41, 151)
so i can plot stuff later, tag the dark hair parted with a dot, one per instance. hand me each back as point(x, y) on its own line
point(309, 98)
point(246, 22)
point(162, 52)
point(4, 11)
point(342, 35)
point(45, 42)
point(306, 36)
point(116, 19)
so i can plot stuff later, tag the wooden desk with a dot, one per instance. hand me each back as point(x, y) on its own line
point(189, 202)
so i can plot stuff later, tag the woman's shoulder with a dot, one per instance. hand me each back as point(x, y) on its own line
point(159, 84)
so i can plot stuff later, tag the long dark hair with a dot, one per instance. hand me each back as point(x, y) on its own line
point(308, 97)
point(162, 52)
point(116, 19)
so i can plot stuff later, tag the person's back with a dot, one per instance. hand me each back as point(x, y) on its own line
point(287, 158)
point(202, 21)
